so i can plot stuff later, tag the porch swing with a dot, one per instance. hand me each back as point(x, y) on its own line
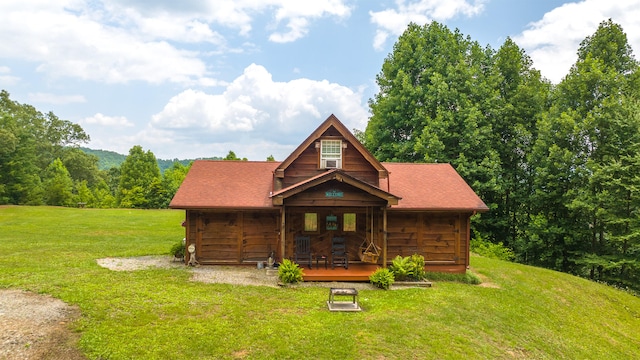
point(369, 252)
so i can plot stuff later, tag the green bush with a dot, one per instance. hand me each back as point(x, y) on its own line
point(177, 250)
point(289, 272)
point(418, 267)
point(382, 278)
point(408, 268)
point(491, 250)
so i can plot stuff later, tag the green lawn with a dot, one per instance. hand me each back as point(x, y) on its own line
point(526, 313)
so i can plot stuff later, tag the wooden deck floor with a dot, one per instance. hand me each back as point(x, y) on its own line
point(355, 272)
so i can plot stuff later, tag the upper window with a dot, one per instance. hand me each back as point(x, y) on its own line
point(331, 154)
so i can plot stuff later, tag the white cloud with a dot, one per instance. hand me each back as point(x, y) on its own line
point(74, 40)
point(122, 41)
point(5, 79)
point(104, 120)
point(297, 15)
point(254, 109)
point(395, 21)
point(552, 42)
point(55, 99)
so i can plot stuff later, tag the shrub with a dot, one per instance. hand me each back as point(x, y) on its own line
point(382, 278)
point(418, 267)
point(177, 250)
point(289, 272)
point(491, 250)
point(408, 268)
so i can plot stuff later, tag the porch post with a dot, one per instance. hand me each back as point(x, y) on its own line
point(283, 233)
point(384, 237)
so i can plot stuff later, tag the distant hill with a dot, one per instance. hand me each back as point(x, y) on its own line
point(108, 159)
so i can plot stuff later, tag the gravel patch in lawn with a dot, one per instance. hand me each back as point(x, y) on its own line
point(220, 274)
point(36, 326)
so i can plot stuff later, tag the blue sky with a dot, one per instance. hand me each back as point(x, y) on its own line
point(192, 78)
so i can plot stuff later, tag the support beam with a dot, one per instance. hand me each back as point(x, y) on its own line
point(458, 225)
point(240, 236)
point(283, 232)
point(384, 237)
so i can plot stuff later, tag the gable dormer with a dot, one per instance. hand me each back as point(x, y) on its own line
point(330, 146)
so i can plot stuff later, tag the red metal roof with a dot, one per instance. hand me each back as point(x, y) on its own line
point(248, 184)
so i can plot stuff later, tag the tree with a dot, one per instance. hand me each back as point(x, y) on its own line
point(523, 98)
point(138, 173)
point(29, 142)
point(58, 186)
point(81, 166)
point(585, 181)
point(102, 195)
point(84, 194)
point(232, 156)
point(437, 100)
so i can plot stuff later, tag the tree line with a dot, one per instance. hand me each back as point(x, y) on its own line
point(558, 165)
point(42, 163)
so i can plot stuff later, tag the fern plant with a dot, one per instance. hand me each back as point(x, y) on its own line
point(417, 271)
point(382, 278)
point(401, 268)
point(408, 268)
point(289, 272)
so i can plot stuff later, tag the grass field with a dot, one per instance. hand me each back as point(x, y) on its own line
point(526, 313)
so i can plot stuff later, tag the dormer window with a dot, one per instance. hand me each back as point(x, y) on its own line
point(331, 154)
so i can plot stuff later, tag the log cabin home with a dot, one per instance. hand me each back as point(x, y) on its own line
point(330, 186)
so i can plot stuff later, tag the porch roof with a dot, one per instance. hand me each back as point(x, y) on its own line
point(334, 174)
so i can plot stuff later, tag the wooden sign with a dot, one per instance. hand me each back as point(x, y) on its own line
point(333, 194)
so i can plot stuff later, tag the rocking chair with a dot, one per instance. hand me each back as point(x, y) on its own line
point(339, 253)
point(302, 249)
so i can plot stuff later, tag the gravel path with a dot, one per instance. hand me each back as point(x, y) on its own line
point(36, 327)
point(236, 275)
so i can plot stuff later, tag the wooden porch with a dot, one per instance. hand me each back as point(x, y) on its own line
point(355, 272)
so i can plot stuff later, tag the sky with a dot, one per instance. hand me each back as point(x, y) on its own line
point(199, 78)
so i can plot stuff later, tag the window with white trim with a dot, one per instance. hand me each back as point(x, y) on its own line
point(331, 154)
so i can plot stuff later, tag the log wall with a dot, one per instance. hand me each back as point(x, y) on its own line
point(233, 237)
point(246, 237)
point(442, 238)
point(307, 165)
